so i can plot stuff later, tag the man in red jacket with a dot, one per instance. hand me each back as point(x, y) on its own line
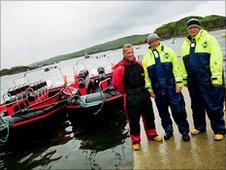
point(128, 79)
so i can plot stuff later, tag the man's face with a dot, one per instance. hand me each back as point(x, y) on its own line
point(129, 54)
point(193, 31)
point(154, 43)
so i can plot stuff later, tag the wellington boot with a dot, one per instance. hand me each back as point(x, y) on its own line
point(157, 139)
point(218, 137)
point(136, 146)
point(195, 131)
point(186, 138)
point(167, 136)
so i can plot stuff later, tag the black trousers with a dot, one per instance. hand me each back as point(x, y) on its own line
point(139, 104)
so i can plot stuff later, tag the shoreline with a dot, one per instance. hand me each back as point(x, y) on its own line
point(12, 70)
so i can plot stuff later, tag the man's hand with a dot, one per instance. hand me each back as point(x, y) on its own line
point(152, 94)
point(178, 89)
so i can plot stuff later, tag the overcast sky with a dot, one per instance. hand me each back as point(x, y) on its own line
point(51, 28)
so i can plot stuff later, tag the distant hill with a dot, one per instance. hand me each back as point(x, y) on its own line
point(172, 29)
point(15, 70)
point(178, 28)
point(166, 31)
point(111, 45)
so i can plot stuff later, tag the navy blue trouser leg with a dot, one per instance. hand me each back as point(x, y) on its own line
point(197, 106)
point(214, 103)
point(177, 105)
point(162, 104)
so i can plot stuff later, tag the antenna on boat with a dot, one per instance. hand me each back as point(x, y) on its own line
point(86, 55)
point(32, 53)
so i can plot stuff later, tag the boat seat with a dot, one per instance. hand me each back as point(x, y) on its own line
point(83, 78)
point(23, 88)
point(11, 92)
point(32, 96)
point(83, 73)
point(14, 91)
point(41, 84)
point(44, 83)
point(38, 85)
point(101, 73)
point(17, 89)
point(81, 82)
point(34, 86)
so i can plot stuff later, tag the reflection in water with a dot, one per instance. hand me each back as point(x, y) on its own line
point(29, 146)
point(90, 160)
point(65, 146)
point(104, 139)
point(32, 161)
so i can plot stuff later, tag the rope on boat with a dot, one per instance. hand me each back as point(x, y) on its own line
point(5, 125)
point(100, 109)
point(83, 103)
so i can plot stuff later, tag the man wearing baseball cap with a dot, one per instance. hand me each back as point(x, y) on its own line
point(202, 68)
point(163, 78)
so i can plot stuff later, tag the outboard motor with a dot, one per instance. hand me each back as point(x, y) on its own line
point(101, 73)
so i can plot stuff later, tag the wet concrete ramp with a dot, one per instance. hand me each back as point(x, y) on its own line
point(201, 152)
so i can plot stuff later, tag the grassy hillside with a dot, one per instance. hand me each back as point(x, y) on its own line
point(178, 28)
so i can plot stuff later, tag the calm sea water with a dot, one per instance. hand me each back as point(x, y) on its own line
point(60, 145)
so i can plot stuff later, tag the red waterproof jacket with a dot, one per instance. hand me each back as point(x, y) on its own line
point(118, 74)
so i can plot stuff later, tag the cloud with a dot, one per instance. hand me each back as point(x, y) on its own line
point(51, 28)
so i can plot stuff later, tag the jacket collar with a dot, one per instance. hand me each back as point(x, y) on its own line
point(159, 48)
point(128, 63)
point(124, 62)
point(197, 37)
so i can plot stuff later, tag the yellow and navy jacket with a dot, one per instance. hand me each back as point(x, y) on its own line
point(170, 65)
point(202, 56)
